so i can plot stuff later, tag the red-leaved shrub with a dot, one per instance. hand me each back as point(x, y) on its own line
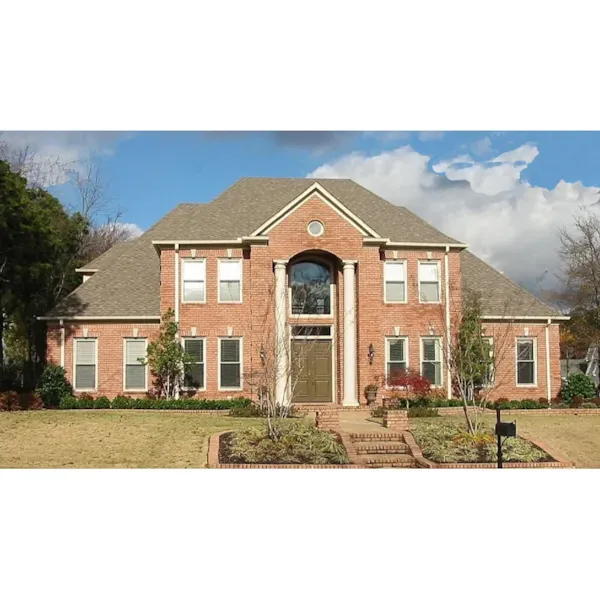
point(411, 381)
point(11, 401)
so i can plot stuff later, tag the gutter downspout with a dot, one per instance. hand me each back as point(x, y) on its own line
point(177, 301)
point(548, 378)
point(447, 299)
point(62, 343)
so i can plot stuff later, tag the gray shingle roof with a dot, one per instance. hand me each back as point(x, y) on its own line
point(106, 258)
point(128, 280)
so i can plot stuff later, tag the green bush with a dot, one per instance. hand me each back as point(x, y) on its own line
point(576, 401)
point(85, 401)
point(588, 405)
point(300, 443)
point(246, 411)
point(578, 384)
point(124, 402)
point(53, 386)
point(69, 403)
point(422, 411)
point(102, 402)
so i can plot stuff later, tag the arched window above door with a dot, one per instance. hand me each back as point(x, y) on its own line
point(310, 283)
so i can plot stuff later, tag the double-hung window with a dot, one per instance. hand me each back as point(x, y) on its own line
point(429, 281)
point(431, 360)
point(230, 280)
point(526, 361)
point(230, 364)
point(395, 281)
point(488, 345)
point(396, 358)
point(135, 370)
point(195, 372)
point(86, 364)
point(194, 280)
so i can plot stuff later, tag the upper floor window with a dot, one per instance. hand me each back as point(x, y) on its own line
point(230, 280)
point(526, 361)
point(194, 280)
point(86, 364)
point(429, 281)
point(395, 281)
point(311, 288)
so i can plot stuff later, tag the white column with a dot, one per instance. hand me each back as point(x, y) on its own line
point(350, 397)
point(281, 343)
point(62, 343)
point(548, 376)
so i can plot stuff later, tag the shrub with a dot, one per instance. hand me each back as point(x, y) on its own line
point(69, 403)
point(588, 405)
point(246, 411)
point(578, 384)
point(86, 401)
point(102, 402)
point(422, 411)
point(9, 401)
point(122, 402)
point(125, 402)
point(410, 380)
point(53, 386)
point(576, 401)
point(378, 411)
point(300, 443)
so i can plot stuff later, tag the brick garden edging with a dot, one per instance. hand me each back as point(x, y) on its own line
point(213, 457)
point(559, 461)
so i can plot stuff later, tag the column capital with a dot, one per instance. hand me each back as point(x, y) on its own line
point(280, 264)
point(349, 264)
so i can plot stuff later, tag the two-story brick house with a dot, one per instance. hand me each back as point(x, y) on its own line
point(379, 288)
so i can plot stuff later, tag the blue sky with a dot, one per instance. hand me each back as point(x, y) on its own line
point(504, 193)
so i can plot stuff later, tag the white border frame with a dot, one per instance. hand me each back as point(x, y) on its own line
point(204, 353)
point(95, 340)
point(219, 262)
point(182, 275)
point(231, 389)
point(439, 282)
point(442, 357)
point(387, 356)
point(535, 361)
point(332, 288)
point(391, 261)
point(134, 339)
point(331, 337)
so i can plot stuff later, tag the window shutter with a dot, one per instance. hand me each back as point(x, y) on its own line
point(194, 270)
point(230, 270)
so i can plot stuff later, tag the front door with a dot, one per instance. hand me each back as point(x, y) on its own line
point(311, 371)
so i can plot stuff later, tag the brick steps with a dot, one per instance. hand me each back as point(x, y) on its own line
point(381, 447)
point(405, 461)
point(385, 436)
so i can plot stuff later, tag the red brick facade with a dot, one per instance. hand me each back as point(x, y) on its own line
point(253, 319)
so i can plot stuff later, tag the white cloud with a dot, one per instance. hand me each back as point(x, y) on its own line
point(52, 155)
point(481, 147)
point(431, 136)
point(506, 221)
point(134, 229)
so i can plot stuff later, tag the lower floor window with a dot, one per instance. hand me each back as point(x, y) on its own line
point(230, 363)
point(85, 364)
point(431, 360)
point(135, 371)
point(396, 358)
point(194, 375)
point(526, 361)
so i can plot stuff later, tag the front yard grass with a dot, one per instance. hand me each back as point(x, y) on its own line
point(111, 439)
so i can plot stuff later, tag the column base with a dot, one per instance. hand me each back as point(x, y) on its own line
point(350, 403)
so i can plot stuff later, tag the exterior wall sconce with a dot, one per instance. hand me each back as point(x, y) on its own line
point(371, 354)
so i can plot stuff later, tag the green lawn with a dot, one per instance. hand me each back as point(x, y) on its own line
point(113, 439)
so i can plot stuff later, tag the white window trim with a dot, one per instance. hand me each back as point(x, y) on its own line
point(230, 260)
point(332, 294)
point(439, 281)
point(134, 339)
point(387, 357)
point(95, 340)
point(385, 300)
point(492, 382)
point(439, 339)
point(241, 386)
point(189, 337)
point(182, 269)
point(535, 362)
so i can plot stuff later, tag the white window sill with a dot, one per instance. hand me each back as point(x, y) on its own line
point(230, 302)
point(395, 301)
point(228, 389)
point(527, 385)
point(85, 390)
point(306, 316)
point(193, 302)
point(434, 302)
point(135, 391)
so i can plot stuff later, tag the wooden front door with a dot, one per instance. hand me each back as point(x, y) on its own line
point(312, 371)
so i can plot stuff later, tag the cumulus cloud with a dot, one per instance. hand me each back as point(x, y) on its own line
point(506, 221)
point(481, 147)
point(50, 157)
point(133, 228)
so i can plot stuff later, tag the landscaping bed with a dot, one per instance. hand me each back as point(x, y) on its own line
point(445, 441)
point(301, 443)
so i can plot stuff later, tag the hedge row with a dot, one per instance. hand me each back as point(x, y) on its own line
point(124, 402)
point(502, 403)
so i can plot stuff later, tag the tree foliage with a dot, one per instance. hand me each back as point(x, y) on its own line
point(167, 358)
